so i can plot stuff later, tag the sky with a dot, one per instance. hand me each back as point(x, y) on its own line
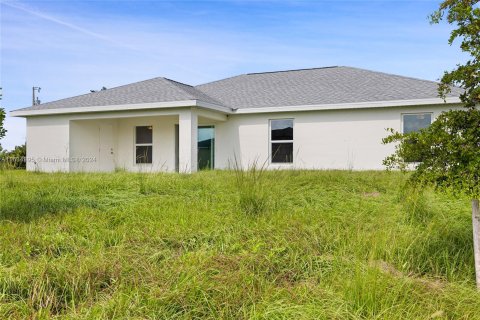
point(70, 47)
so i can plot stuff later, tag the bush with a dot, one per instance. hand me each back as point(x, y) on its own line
point(15, 159)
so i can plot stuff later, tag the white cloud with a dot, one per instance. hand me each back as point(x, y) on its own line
point(19, 6)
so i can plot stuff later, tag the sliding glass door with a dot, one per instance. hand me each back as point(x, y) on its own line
point(206, 147)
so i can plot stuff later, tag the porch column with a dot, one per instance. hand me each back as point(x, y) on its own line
point(187, 144)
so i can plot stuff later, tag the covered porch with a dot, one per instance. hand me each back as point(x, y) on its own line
point(174, 140)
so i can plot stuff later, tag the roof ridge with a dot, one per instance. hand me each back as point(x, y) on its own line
point(401, 76)
point(292, 70)
point(199, 85)
point(252, 73)
point(390, 74)
point(177, 83)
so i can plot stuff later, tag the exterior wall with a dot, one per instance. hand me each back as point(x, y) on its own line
point(163, 150)
point(48, 144)
point(88, 152)
point(330, 139)
point(84, 142)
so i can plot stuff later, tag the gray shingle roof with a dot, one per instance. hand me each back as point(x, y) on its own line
point(330, 85)
point(153, 90)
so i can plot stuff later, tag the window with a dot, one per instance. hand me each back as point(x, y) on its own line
point(143, 144)
point(415, 122)
point(281, 140)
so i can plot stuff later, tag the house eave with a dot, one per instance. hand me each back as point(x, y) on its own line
point(354, 105)
point(226, 110)
point(124, 107)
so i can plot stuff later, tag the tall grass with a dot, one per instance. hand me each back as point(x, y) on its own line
point(300, 245)
point(252, 188)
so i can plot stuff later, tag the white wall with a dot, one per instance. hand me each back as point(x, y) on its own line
point(163, 150)
point(86, 136)
point(331, 139)
point(48, 144)
point(67, 143)
point(87, 152)
point(341, 139)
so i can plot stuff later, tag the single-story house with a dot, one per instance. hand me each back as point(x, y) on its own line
point(319, 118)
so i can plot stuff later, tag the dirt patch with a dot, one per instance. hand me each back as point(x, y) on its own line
point(438, 314)
point(385, 267)
point(226, 264)
point(371, 194)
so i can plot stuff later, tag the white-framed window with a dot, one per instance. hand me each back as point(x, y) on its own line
point(281, 140)
point(412, 122)
point(143, 144)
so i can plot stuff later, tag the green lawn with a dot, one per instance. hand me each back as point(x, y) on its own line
point(285, 245)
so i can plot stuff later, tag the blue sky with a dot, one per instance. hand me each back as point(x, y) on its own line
point(70, 47)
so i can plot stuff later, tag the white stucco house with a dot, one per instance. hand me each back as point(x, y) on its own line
point(320, 118)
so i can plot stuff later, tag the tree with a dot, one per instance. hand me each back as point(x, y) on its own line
point(14, 159)
point(2, 129)
point(2, 118)
point(448, 151)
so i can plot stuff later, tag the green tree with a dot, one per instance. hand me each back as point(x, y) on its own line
point(448, 150)
point(2, 119)
point(14, 159)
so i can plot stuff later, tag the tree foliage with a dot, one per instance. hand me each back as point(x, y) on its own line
point(2, 119)
point(465, 15)
point(447, 153)
point(14, 159)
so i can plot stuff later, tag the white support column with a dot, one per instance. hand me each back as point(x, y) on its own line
point(187, 136)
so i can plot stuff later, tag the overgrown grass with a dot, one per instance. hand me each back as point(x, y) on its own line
point(279, 245)
point(254, 193)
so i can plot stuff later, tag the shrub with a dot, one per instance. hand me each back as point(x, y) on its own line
point(15, 159)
